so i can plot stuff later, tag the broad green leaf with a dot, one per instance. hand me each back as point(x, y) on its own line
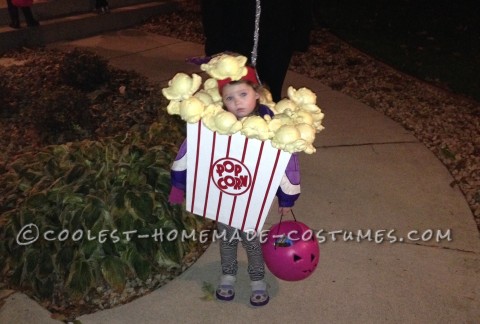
point(75, 220)
point(172, 250)
point(80, 279)
point(45, 264)
point(129, 198)
point(165, 262)
point(118, 195)
point(90, 247)
point(17, 275)
point(32, 257)
point(37, 200)
point(143, 205)
point(60, 151)
point(75, 173)
point(91, 214)
point(44, 286)
point(32, 175)
point(27, 216)
point(51, 167)
point(122, 219)
point(64, 257)
point(114, 272)
point(109, 248)
point(72, 198)
point(24, 186)
point(100, 173)
point(137, 263)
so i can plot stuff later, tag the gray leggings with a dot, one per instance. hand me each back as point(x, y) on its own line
point(228, 252)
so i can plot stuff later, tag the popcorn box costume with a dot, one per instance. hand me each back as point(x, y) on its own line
point(234, 167)
point(222, 180)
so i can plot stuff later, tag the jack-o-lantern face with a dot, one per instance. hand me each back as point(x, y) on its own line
point(290, 254)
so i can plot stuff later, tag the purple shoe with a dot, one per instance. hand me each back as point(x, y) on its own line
point(259, 298)
point(225, 292)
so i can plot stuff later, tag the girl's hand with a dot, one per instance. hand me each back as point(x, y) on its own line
point(284, 210)
point(176, 196)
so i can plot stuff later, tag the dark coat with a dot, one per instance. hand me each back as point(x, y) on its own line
point(285, 25)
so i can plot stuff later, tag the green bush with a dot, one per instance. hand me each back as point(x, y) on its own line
point(61, 114)
point(118, 184)
point(84, 70)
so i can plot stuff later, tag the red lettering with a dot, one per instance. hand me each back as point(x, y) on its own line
point(230, 181)
point(231, 176)
point(220, 169)
point(221, 184)
point(229, 166)
point(238, 169)
point(238, 184)
point(244, 180)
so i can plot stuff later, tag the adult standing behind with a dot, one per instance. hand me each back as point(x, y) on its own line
point(284, 28)
point(27, 13)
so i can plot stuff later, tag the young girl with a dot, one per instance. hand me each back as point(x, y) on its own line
point(241, 98)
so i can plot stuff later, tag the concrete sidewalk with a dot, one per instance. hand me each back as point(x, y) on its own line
point(368, 174)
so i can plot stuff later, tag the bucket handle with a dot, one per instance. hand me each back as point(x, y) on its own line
point(280, 223)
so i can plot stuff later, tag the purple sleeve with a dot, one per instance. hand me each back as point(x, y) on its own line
point(289, 189)
point(178, 173)
point(264, 110)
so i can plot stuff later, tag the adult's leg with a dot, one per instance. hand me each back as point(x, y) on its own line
point(275, 43)
point(228, 26)
point(13, 13)
point(27, 13)
point(272, 67)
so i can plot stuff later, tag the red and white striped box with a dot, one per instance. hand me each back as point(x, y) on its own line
point(230, 178)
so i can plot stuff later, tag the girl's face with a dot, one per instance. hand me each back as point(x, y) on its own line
point(240, 99)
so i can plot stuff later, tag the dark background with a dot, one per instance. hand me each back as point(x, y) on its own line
point(437, 41)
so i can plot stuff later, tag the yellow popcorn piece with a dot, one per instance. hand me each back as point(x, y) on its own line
point(226, 66)
point(211, 111)
point(304, 117)
point(182, 86)
point(173, 107)
point(204, 97)
point(317, 121)
point(279, 120)
point(226, 123)
point(191, 110)
point(256, 127)
point(286, 134)
point(285, 104)
point(307, 133)
point(302, 96)
point(211, 87)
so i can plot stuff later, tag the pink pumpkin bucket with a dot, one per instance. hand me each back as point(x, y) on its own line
point(291, 251)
